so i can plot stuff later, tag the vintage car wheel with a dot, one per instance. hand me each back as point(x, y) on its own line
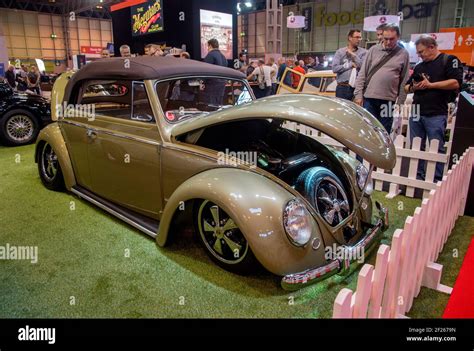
point(18, 127)
point(326, 193)
point(223, 240)
point(50, 169)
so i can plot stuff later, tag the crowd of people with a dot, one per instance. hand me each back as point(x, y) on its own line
point(379, 79)
point(24, 78)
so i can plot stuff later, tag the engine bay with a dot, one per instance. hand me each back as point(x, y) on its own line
point(284, 153)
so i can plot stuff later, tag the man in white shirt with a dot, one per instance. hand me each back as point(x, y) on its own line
point(264, 74)
point(274, 66)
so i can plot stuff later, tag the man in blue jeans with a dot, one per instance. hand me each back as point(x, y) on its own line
point(434, 83)
point(345, 59)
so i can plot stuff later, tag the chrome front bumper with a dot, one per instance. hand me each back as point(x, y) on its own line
point(297, 281)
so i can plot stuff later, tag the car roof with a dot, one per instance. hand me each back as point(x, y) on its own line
point(315, 74)
point(151, 67)
point(147, 67)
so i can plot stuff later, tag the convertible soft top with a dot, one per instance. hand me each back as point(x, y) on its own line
point(148, 67)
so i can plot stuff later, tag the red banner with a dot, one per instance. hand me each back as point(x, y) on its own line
point(92, 50)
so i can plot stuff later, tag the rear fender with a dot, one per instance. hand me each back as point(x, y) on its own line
point(53, 136)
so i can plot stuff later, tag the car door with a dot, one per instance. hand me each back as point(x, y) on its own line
point(123, 146)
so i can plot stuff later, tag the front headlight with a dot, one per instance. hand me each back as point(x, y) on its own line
point(297, 222)
point(362, 175)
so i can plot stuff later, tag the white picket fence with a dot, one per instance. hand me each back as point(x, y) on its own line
point(403, 150)
point(387, 290)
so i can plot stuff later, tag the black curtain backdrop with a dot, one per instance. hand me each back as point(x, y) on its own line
point(175, 32)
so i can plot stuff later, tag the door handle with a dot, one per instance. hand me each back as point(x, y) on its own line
point(91, 134)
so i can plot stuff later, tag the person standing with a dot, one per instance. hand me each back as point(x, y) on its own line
point(434, 83)
point(379, 31)
point(296, 77)
point(10, 76)
point(34, 78)
point(381, 80)
point(153, 50)
point(345, 60)
point(264, 78)
point(105, 53)
point(274, 66)
point(215, 57)
point(125, 51)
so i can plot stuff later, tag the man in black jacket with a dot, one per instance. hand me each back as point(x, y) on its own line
point(214, 56)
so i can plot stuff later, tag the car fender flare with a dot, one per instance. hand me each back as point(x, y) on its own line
point(52, 135)
point(256, 205)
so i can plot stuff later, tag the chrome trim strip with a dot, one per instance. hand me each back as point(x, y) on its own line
point(128, 137)
point(116, 214)
point(76, 124)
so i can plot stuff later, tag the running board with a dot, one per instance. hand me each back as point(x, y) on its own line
point(144, 224)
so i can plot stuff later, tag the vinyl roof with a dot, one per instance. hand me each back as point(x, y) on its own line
point(151, 67)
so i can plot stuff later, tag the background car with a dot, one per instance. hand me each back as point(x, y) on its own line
point(313, 82)
point(21, 116)
point(179, 141)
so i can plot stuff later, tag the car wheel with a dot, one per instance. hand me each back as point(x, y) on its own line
point(323, 189)
point(50, 169)
point(223, 240)
point(18, 127)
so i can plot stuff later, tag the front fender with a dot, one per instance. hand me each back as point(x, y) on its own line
point(53, 136)
point(256, 205)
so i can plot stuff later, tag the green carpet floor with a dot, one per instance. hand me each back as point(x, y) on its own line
point(84, 269)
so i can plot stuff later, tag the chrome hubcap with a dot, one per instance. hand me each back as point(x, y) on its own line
point(220, 234)
point(332, 202)
point(49, 162)
point(20, 128)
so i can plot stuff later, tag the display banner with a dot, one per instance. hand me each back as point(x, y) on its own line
point(91, 50)
point(147, 18)
point(295, 21)
point(445, 40)
point(371, 23)
point(308, 19)
point(216, 25)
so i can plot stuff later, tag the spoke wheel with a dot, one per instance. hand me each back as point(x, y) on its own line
point(18, 127)
point(220, 234)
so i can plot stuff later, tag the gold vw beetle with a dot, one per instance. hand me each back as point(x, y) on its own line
point(155, 141)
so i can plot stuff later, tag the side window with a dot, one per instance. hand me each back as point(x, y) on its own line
point(141, 109)
point(109, 98)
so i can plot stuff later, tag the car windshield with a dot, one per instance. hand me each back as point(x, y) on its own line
point(190, 97)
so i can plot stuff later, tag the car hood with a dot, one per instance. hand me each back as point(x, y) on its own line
point(342, 120)
point(30, 98)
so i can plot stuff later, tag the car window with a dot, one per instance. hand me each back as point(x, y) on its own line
point(109, 98)
point(141, 108)
point(186, 98)
point(287, 80)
